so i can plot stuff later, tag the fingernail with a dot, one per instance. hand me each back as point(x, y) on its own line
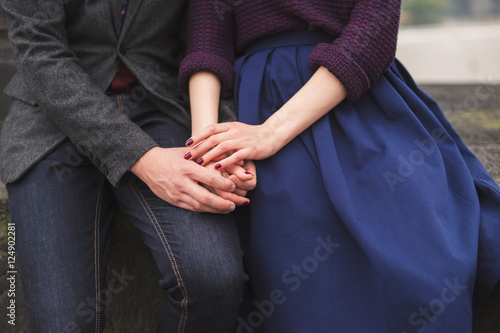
point(188, 156)
point(248, 173)
point(246, 203)
point(224, 174)
point(189, 142)
point(233, 188)
point(200, 161)
point(232, 208)
point(218, 166)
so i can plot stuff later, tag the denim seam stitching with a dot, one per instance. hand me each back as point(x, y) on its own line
point(168, 250)
point(120, 103)
point(97, 274)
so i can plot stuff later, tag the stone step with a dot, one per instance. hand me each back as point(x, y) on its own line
point(464, 97)
point(474, 111)
point(489, 155)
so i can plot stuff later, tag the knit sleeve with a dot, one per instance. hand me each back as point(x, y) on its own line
point(365, 48)
point(210, 44)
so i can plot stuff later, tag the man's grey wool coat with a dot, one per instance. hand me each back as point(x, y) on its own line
point(67, 53)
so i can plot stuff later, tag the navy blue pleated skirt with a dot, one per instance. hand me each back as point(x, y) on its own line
point(375, 219)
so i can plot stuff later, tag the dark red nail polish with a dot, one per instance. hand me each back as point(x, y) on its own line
point(189, 142)
point(248, 173)
point(218, 166)
point(246, 203)
point(200, 161)
point(187, 156)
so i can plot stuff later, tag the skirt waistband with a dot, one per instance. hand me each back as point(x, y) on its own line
point(289, 38)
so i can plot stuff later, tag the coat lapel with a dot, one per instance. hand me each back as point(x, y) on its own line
point(116, 9)
point(133, 7)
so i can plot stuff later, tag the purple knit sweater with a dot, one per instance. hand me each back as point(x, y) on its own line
point(364, 47)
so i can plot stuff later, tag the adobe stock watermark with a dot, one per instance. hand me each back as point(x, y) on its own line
point(11, 273)
point(292, 280)
point(421, 318)
point(407, 165)
point(91, 308)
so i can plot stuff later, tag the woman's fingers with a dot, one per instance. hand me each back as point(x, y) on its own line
point(239, 172)
point(207, 132)
point(224, 148)
point(227, 162)
point(205, 147)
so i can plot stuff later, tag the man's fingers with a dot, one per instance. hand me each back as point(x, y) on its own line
point(213, 179)
point(202, 200)
point(232, 196)
point(196, 197)
point(241, 193)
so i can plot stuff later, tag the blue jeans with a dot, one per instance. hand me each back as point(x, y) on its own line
point(63, 211)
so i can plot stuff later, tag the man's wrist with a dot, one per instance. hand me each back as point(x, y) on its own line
point(143, 162)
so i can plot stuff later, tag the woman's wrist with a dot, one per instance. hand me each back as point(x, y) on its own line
point(275, 133)
point(315, 99)
point(204, 91)
point(196, 127)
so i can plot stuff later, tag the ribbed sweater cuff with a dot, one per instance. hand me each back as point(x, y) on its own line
point(345, 69)
point(207, 62)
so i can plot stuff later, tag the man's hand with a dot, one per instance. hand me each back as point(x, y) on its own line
point(176, 180)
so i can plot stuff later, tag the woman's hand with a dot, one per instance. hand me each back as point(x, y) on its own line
point(243, 176)
point(255, 142)
point(237, 140)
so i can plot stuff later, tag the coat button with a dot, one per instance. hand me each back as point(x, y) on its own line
point(104, 170)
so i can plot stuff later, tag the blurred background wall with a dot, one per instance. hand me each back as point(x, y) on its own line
point(451, 41)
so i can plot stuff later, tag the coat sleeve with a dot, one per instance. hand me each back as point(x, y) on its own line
point(365, 48)
point(65, 92)
point(210, 43)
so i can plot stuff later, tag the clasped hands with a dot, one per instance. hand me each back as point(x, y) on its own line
point(231, 148)
point(198, 178)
